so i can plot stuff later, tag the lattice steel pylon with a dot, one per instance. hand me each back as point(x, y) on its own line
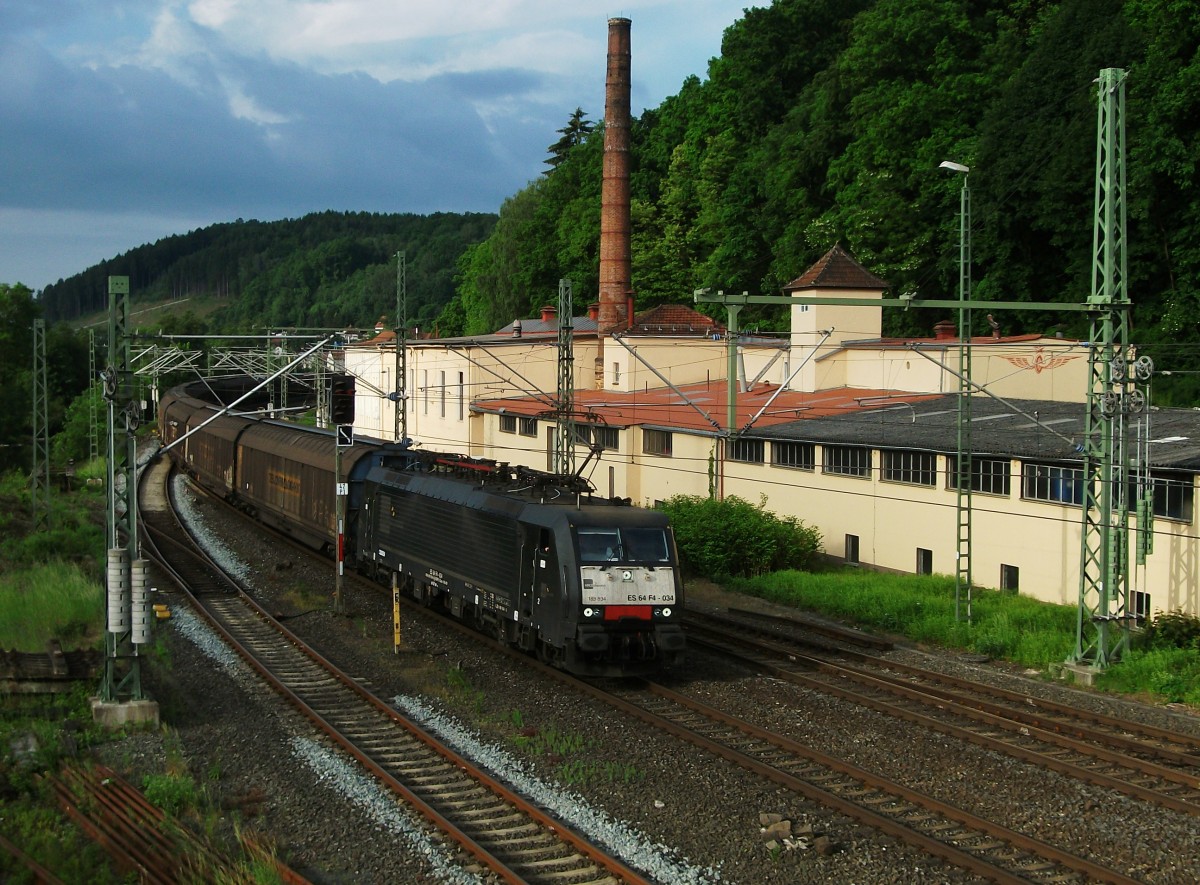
point(39, 498)
point(564, 436)
point(93, 405)
point(1105, 614)
point(122, 666)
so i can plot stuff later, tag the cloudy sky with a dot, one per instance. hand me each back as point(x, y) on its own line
point(122, 121)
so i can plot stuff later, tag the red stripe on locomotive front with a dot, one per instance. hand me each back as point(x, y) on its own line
point(616, 612)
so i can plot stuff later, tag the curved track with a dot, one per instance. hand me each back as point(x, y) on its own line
point(980, 846)
point(514, 840)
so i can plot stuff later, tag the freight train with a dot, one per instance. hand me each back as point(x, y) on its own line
point(591, 585)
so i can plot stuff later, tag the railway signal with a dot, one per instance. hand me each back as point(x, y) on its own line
point(341, 398)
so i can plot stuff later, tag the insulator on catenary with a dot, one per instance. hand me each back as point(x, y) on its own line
point(142, 611)
point(117, 594)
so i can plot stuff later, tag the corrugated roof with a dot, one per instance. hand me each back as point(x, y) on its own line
point(836, 270)
point(1017, 428)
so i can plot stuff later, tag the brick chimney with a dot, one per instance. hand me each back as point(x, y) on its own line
point(945, 330)
point(615, 272)
point(549, 313)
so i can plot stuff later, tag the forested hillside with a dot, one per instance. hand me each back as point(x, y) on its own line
point(822, 121)
point(328, 269)
point(826, 120)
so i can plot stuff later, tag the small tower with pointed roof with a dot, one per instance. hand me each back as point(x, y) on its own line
point(835, 274)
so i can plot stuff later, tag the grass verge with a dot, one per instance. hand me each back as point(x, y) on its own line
point(1033, 634)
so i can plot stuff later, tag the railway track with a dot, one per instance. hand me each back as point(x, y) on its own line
point(1146, 763)
point(977, 845)
point(982, 847)
point(495, 828)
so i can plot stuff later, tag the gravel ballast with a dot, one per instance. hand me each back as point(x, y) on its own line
point(671, 810)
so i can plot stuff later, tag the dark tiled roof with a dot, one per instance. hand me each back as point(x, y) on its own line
point(673, 319)
point(836, 270)
point(1017, 428)
point(538, 327)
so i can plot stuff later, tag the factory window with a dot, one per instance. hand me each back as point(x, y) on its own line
point(748, 450)
point(989, 476)
point(508, 423)
point(1010, 578)
point(1173, 495)
point(462, 397)
point(846, 460)
point(852, 549)
point(608, 438)
point(656, 442)
point(425, 389)
point(1141, 606)
point(914, 468)
point(528, 426)
point(1052, 482)
point(924, 561)
point(616, 373)
point(442, 393)
point(801, 456)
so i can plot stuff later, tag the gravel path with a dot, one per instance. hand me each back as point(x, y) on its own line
point(675, 812)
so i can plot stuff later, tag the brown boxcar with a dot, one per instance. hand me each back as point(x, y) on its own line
point(287, 477)
point(174, 410)
point(209, 452)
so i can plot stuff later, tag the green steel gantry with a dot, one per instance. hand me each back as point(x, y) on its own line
point(1105, 614)
point(401, 384)
point(123, 417)
point(564, 409)
point(1104, 597)
point(40, 475)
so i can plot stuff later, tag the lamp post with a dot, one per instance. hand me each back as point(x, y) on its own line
point(963, 480)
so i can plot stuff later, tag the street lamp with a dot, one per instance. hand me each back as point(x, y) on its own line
point(964, 243)
point(964, 467)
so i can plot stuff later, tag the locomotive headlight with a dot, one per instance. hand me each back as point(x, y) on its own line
point(627, 575)
point(588, 612)
point(666, 612)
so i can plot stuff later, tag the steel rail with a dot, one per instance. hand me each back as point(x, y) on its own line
point(999, 745)
point(960, 857)
point(563, 832)
point(1055, 720)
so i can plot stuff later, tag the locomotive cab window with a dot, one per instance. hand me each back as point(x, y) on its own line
point(624, 545)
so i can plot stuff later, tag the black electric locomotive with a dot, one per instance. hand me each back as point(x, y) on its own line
point(589, 584)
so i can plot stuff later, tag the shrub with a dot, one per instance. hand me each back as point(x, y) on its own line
point(1172, 630)
point(734, 538)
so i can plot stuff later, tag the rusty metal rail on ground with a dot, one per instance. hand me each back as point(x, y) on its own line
point(41, 875)
point(142, 840)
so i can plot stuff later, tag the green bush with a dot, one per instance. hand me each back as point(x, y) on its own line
point(1171, 630)
point(734, 538)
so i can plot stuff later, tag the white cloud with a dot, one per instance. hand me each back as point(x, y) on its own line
point(118, 110)
point(245, 107)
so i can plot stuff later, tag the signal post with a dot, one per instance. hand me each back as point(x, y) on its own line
point(341, 414)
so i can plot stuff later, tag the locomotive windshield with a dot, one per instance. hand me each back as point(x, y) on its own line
point(623, 545)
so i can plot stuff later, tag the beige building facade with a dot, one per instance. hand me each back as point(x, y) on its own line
point(853, 434)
